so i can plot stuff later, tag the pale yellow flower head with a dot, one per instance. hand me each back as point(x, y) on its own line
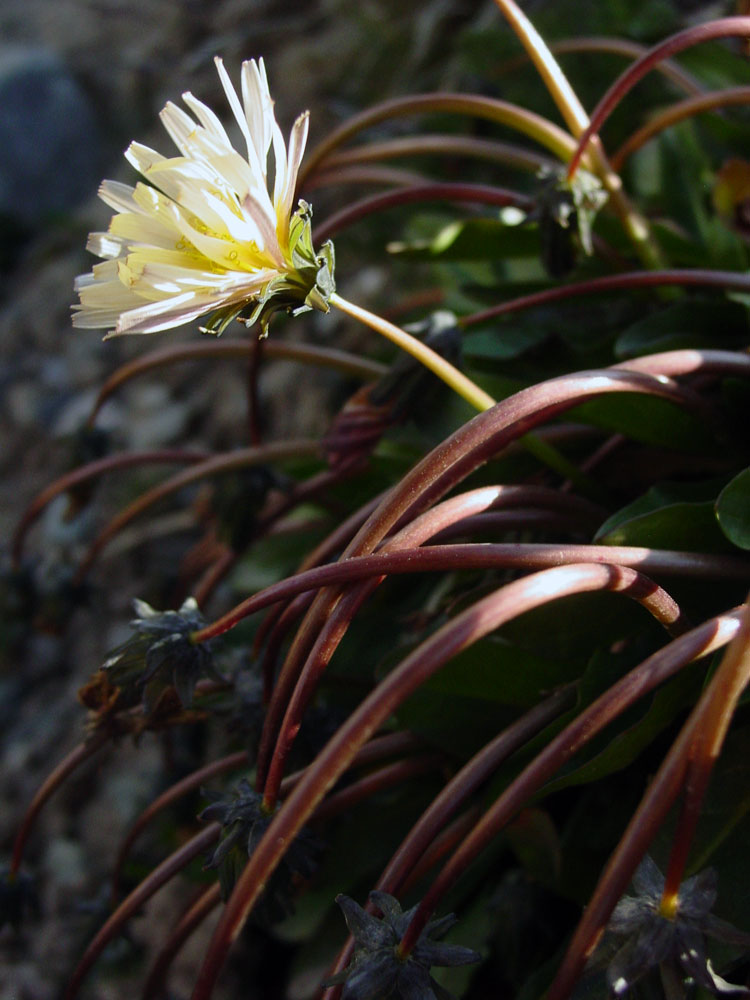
point(208, 233)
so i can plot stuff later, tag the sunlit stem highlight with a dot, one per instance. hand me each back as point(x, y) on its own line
point(444, 370)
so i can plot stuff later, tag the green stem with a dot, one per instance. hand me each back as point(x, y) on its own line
point(444, 370)
point(547, 66)
point(468, 390)
point(634, 224)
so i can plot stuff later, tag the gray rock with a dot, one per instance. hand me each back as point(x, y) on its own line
point(49, 159)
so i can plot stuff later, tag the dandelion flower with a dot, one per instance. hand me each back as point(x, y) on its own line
point(208, 233)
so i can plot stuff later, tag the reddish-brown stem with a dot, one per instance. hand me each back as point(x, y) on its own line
point(366, 174)
point(438, 103)
point(441, 145)
point(447, 840)
point(485, 616)
point(676, 113)
point(168, 798)
point(290, 694)
point(629, 50)
point(527, 556)
point(690, 361)
point(376, 781)
point(475, 442)
point(302, 492)
point(48, 787)
point(92, 470)
point(735, 671)
point(213, 576)
point(208, 900)
point(728, 27)
point(376, 749)
point(437, 816)
point(242, 458)
point(132, 903)
point(685, 277)
point(709, 720)
point(325, 357)
point(288, 614)
point(276, 623)
point(616, 699)
point(480, 194)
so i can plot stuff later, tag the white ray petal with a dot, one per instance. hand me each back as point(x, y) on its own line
point(118, 196)
point(208, 119)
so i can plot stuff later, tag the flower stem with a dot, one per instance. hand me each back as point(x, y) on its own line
point(675, 113)
point(694, 276)
point(634, 224)
point(67, 765)
point(726, 27)
point(730, 680)
point(546, 453)
point(444, 370)
point(545, 132)
point(547, 66)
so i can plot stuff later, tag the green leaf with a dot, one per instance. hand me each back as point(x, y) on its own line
point(668, 516)
point(697, 323)
point(645, 419)
point(472, 239)
point(733, 510)
point(503, 342)
point(494, 669)
point(625, 747)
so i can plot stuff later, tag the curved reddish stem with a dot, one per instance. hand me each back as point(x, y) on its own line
point(676, 113)
point(727, 27)
point(51, 783)
point(690, 361)
point(655, 670)
point(484, 617)
point(480, 194)
point(441, 145)
point(290, 695)
point(376, 781)
point(708, 721)
point(132, 903)
point(203, 906)
point(442, 469)
point(476, 106)
point(242, 458)
point(169, 797)
point(526, 556)
point(687, 277)
point(324, 357)
point(89, 471)
point(408, 856)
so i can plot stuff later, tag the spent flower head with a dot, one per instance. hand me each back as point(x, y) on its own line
point(161, 653)
point(565, 210)
point(209, 233)
point(378, 971)
point(244, 821)
point(669, 933)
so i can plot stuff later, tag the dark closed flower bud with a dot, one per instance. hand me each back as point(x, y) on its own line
point(161, 653)
point(377, 970)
